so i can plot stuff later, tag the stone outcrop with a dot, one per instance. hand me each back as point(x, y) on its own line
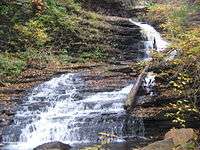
point(181, 136)
point(160, 145)
point(53, 146)
point(122, 8)
point(176, 139)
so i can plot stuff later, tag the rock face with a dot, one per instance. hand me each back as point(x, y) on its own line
point(53, 146)
point(123, 8)
point(161, 145)
point(175, 139)
point(181, 136)
point(122, 69)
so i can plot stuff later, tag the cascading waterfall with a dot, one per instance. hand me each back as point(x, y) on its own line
point(52, 112)
point(57, 110)
point(153, 41)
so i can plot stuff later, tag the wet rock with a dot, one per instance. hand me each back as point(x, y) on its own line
point(181, 136)
point(122, 69)
point(41, 106)
point(166, 144)
point(112, 7)
point(53, 146)
point(128, 31)
point(11, 91)
point(11, 132)
point(101, 89)
point(175, 139)
point(8, 112)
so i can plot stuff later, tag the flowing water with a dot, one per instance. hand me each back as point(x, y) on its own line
point(153, 37)
point(57, 110)
point(52, 112)
point(153, 41)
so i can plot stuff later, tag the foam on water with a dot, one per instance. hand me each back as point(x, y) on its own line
point(68, 119)
point(154, 39)
point(52, 111)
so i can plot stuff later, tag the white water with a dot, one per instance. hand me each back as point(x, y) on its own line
point(68, 119)
point(53, 113)
point(154, 41)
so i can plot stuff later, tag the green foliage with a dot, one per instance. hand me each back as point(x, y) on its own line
point(150, 5)
point(71, 5)
point(10, 65)
point(176, 21)
point(158, 13)
point(181, 83)
point(21, 27)
point(191, 145)
point(33, 33)
point(10, 14)
point(64, 57)
point(97, 54)
point(57, 15)
point(5, 9)
point(183, 109)
point(36, 37)
point(93, 16)
point(35, 55)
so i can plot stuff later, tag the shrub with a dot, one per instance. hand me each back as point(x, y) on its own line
point(33, 33)
point(97, 55)
point(10, 66)
point(185, 39)
point(21, 27)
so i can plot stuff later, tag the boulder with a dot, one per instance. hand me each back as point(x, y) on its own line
point(181, 136)
point(53, 146)
point(166, 144)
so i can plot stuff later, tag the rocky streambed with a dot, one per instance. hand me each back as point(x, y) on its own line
point(99, 78)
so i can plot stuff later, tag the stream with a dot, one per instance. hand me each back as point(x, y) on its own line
point(59, 110)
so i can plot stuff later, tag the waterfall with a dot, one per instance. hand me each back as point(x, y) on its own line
point(52, 112)
point(59, 110)
point(153, 41)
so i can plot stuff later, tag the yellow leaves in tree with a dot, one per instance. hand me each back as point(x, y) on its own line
point(185, 39)
point(190, 41)
point(182, 107)
point(41, 35)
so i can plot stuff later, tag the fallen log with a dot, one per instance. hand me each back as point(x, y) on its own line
point(130, 102)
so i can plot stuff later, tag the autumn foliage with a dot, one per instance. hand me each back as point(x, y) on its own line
point(38, 5)
point(182, 29)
